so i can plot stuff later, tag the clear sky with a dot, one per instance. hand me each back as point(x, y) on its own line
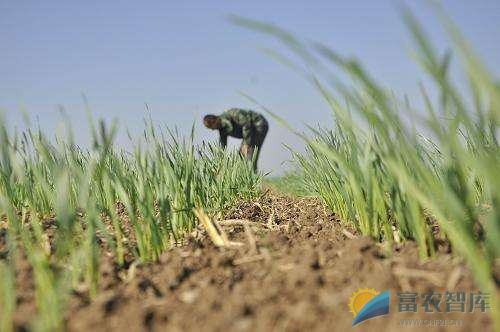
point(185, 59)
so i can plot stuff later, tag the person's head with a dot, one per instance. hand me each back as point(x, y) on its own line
point(211, 121)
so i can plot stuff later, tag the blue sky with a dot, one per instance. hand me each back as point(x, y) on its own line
point(185, 59)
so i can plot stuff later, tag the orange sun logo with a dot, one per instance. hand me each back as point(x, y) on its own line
point(361, 297)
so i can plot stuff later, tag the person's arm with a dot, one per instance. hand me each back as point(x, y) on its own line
point(223, 139)
point(226, 127)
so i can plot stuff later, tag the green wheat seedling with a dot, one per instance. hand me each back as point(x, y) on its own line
point(395, 181)
point(52, 184)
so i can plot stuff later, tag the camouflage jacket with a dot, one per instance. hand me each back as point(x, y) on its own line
point(239, 123)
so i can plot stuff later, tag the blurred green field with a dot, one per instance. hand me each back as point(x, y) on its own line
point(292, 182)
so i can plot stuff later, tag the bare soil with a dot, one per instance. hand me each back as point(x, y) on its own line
point(295, 270)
